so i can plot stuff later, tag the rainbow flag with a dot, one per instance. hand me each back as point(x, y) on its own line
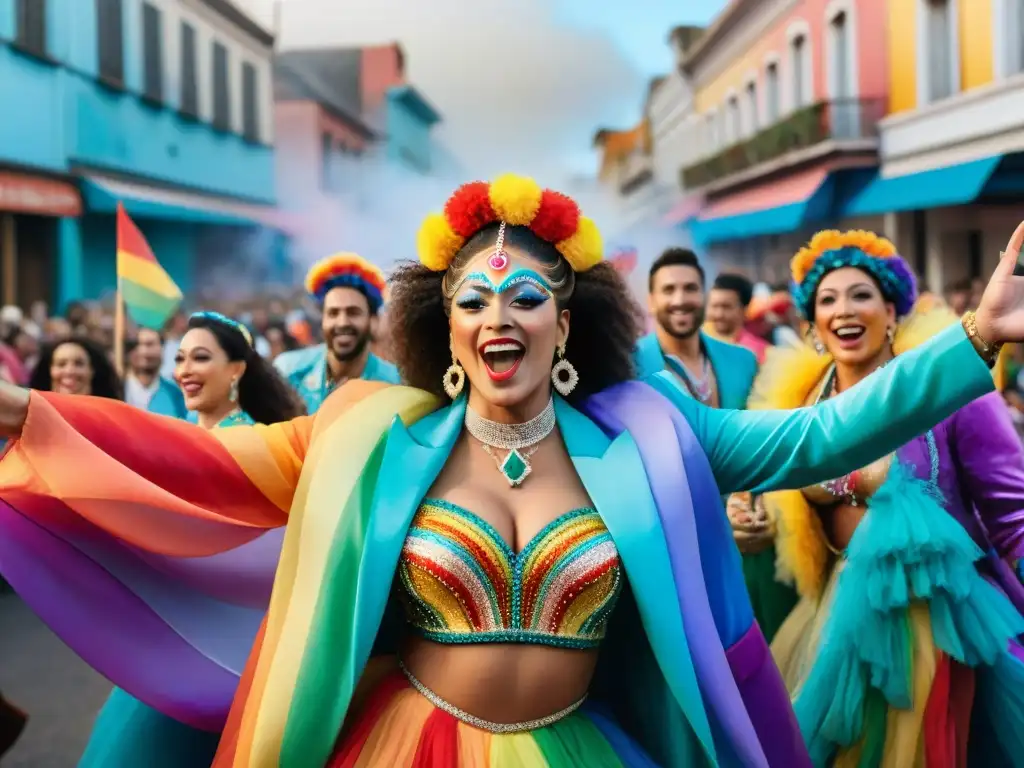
point(149, 294)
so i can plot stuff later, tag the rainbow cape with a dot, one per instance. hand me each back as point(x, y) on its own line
point(154, 565)
point(149, 294)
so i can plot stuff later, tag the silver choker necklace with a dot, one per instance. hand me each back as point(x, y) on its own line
point(520, 441)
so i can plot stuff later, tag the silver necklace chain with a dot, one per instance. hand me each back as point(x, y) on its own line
point(511, 437)
point(519, 441)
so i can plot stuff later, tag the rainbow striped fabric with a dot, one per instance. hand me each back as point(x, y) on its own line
point(149, 294)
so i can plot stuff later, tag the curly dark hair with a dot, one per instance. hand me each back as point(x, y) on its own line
point(606, 320)
point(262, 392)
point(105, 381)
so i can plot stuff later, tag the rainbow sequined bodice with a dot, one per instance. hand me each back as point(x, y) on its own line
point(462, 583)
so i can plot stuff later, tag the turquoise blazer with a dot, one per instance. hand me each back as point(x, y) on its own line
point(655, 462)
point(306, 370)
point(735, 367)
point(168, 400)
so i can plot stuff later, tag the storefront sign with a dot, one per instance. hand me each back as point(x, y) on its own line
point(20, 193)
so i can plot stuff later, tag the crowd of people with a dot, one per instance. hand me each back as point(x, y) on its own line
point(791, 531)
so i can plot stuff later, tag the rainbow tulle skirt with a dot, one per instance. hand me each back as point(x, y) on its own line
point(398, 726)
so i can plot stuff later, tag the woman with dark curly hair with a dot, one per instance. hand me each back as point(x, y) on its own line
point(76, 365)
point(435, 603)
point(225, 380)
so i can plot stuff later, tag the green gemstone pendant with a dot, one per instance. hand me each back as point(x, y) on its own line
point(515, 468)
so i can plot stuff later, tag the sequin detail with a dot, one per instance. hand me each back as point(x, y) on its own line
point(462, 583)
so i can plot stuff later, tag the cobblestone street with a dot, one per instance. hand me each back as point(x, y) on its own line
point(41, 676)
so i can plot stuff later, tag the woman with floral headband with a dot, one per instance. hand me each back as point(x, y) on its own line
point(457, 550)
point(225, 383)
point(903, 648)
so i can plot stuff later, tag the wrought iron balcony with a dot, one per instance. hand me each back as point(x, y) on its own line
point(842, 120)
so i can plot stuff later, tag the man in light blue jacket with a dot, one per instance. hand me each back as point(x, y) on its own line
point(144, 387)
point(351, 293)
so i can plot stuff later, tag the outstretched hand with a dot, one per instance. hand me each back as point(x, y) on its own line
point(1000, 315)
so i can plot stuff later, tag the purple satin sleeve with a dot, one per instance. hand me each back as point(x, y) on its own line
point(990, 465)
point(767, 702)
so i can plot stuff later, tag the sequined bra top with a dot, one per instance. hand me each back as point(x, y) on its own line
point(460, 581)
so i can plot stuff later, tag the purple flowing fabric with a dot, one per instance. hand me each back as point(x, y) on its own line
point(174, 633)
point(741, 686)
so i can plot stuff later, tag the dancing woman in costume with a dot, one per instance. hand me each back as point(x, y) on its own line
point(903, 649)
point(534, 503)
point(226, 383)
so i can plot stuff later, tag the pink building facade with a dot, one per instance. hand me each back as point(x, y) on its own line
point(788, 98)
point(333, 110)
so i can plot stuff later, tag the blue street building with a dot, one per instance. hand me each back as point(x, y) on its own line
point(163, 105)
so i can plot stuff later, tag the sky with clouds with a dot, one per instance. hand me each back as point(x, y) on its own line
point(522, 84)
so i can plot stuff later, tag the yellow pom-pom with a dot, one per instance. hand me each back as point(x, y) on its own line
point(436, 243)
point(585, 248)
point(515, 199)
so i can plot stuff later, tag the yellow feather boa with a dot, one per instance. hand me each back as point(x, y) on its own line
point(789, 379)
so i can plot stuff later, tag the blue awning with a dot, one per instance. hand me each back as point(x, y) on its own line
point(777, 220)
point(102, 194)
point(936, 188)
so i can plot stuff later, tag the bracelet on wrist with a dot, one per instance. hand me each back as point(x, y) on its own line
point(986, 350)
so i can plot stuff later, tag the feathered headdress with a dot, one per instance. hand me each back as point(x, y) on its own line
point(350, 271)
point(516, 201)
point(833, 250)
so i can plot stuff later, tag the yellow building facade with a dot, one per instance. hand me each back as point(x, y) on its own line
point(975, 36)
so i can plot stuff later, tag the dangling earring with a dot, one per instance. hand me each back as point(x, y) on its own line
point(891, 333)
point(233, 392)
point(563, 374)
point(454, 377)
point(818, 346)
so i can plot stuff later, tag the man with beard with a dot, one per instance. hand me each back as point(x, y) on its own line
point(715, 372)
point(351, 292)
point(144, 387)
point(720, 375)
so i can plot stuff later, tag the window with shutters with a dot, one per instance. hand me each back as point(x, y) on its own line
point(941, 62)
point(189, 80)
point(221, 89)
point(771, 95)
point(152, 54)
point(753, 109)
point(250, 103)
point(110, 41)
point(31, 26)
point(799, 65)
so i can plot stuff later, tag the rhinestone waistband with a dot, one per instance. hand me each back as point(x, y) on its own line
point(486, 725)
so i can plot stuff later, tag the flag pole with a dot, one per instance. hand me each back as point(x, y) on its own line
point(119, 306)
point(119, 331)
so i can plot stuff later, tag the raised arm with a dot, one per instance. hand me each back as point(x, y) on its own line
point(158, 483)
point(148, 544)
point(772, 450)
point(989, 460)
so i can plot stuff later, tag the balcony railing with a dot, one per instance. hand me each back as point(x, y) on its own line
point(839, 120)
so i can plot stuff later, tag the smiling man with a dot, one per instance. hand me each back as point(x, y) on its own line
point(351, 292)
point(716, 373)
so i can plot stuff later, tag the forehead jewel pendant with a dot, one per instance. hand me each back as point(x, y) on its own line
point(499, 259)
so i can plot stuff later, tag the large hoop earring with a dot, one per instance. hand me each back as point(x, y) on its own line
point(455, 377)
point(233, 392)
point(563, 375)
